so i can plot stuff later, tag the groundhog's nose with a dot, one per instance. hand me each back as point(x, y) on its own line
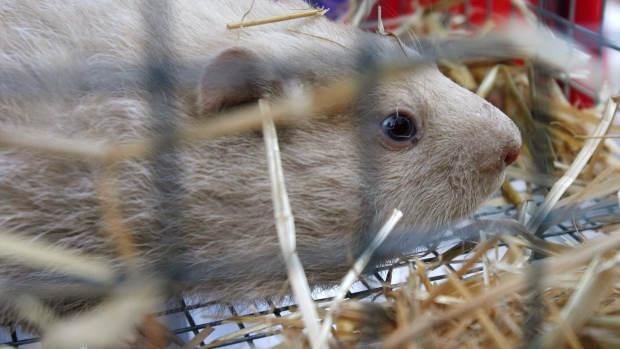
point(511, 155)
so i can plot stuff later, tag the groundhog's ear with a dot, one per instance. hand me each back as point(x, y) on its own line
point(235, 76)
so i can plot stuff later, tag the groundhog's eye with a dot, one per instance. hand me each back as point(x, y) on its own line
point(399, 128)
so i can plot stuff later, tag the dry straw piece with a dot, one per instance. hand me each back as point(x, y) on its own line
point(285, 227)
point(40, 255)
point(274, 19)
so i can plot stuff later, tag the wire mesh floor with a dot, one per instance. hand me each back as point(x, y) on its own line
point(186, 318)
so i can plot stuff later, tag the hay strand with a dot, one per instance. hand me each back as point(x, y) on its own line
point(275, 19)
point(285, 227)
point(575, 168)
point(40, 255)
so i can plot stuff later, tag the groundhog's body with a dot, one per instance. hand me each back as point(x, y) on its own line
point(226, 245)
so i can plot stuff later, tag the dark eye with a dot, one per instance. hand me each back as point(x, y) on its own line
point(399, 128)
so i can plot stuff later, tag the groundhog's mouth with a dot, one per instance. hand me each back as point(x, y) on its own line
point(497, 166)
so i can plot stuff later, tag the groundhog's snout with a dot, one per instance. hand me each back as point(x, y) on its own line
point(499, 137)
point(512, 153)
point(511, 137)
